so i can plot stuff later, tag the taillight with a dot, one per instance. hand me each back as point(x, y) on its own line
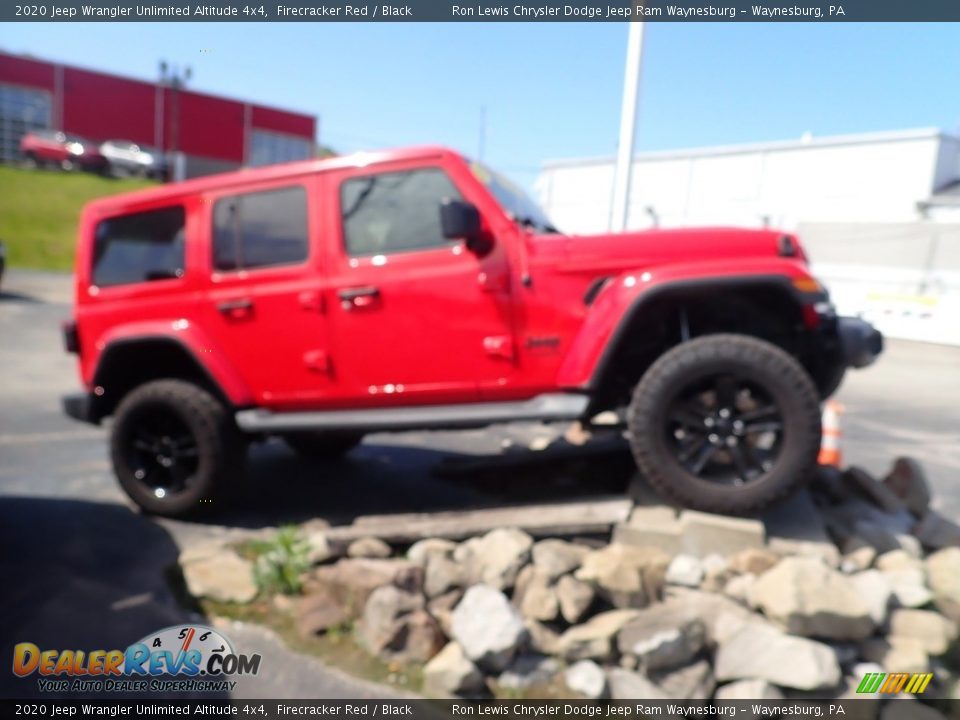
point(71, 340)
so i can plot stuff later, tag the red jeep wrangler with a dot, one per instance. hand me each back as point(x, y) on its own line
point(322, 300)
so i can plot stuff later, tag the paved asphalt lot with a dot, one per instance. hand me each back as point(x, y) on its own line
point(81, 568)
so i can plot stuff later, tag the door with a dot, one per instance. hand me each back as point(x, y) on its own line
point(265, 306)
point(415, 318)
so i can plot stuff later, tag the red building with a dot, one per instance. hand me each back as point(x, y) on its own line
point(212, 134)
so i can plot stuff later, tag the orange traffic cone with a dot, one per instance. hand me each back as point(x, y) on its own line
point(830, 452)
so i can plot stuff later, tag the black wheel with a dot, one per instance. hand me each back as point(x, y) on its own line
point(324, 445)
point(725, 423)
point(174, 447)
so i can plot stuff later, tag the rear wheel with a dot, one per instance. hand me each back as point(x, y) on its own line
point(174, 447)
point(725, 423)
point(322, 444)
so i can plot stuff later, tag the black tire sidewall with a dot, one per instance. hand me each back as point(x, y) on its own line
point(782, 377)
point(204, 418)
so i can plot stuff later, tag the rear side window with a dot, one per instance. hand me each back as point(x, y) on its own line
point(395, 211)
point(139, 247)
point(260, 229)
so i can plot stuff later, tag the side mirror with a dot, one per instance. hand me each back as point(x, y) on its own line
point(459, 220)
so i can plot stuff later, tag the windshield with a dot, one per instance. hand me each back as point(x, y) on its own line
point(514, 200)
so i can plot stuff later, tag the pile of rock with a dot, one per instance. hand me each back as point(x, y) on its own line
point(853, 576)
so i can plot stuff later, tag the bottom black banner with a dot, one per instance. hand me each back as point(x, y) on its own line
point(894, 709)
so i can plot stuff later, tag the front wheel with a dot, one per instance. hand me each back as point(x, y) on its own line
point(725, 423)
point(174, 447)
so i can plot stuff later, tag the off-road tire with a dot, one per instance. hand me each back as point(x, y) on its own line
point(220, 447)
point(769, 367)
point(322, 445)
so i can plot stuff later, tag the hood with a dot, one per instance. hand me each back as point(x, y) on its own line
point(649, 248)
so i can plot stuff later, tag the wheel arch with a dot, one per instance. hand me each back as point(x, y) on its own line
point(129, 362)
point(663, 316)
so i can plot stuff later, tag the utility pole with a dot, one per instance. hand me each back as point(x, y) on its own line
point(171, 77)
point(619, 205)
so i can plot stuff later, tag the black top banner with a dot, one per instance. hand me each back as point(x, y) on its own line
point(483, 11)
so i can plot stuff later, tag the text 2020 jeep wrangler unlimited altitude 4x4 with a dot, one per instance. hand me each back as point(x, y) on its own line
point(321, 300)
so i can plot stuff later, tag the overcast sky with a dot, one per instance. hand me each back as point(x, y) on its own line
point(551, 90)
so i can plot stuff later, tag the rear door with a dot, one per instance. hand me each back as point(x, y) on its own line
point(265, 308)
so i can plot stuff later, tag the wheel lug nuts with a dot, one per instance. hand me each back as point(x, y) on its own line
point(724, 412)
point(738, 426)
point(708, 422)
point(714, 438)
point(731, 441)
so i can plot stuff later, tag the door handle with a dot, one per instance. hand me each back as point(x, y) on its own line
point(235, 307)
point(358, 297)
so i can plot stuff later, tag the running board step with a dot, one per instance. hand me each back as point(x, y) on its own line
point(554, 406)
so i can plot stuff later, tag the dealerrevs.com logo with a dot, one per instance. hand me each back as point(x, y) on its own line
point(180, 658)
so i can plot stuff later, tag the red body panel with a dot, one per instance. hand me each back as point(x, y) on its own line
point(447, 325)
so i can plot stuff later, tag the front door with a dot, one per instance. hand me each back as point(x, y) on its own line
point(415, 318)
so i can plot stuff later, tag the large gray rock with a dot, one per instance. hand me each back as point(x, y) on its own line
point(692, 682)
point(706, 534)
point(574, 597)
point(748, 690)
point(496, 558)
point(527, 671)
point(908, 482)
point(810, 599)
point(488, 627)
point(586, 678)
point(219, 574)
point(943, 572)
point(934, 632)
point(626, 576)
point(594, 639)
point(875, 589)
point(663, 636)
point(759, 651)
point(628, 685)
point(553, 558)
point(396, 627)
point(451, 672)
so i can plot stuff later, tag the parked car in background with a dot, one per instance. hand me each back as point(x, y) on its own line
point(126, 157)
point(57, 148)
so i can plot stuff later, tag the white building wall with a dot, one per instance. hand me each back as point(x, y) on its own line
point(860, 178)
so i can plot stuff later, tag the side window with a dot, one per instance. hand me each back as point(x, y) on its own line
point(139, 247)
point(260, 229)
point(394, 211)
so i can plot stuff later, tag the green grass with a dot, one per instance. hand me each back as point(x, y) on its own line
point(39, 210)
